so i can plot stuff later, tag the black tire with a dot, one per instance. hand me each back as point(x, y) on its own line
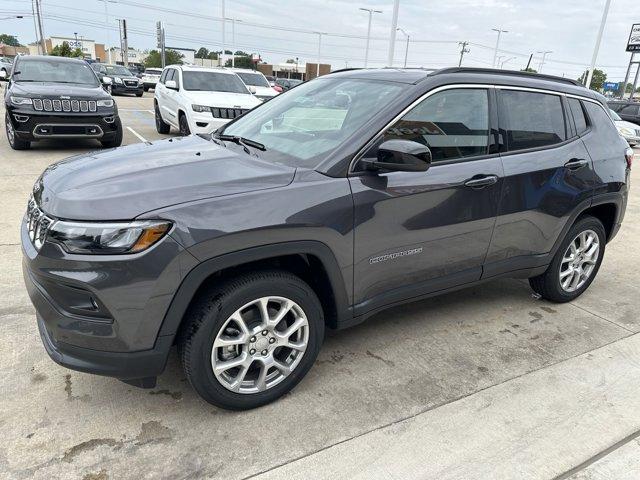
point(115, 141)
point(14, 142)
point(208, 314)
point(146, 89)
point(139, 94)
point(161, 127)
point(184, 125)
point(548, 284)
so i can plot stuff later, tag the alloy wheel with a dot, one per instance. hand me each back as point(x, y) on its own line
point(579, 260)
point(260, 345)
point(10, 132)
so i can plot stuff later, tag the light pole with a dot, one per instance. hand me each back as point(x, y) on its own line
point(463, 50)
point(495, 54)
point(319, 52)
point(106, 25)
point(224, 24)
point(406, 50)
point(366, 51)
point(597, 46)
point(392, 36)
point(542, 60)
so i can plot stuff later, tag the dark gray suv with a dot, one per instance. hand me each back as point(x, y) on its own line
point(352, 193)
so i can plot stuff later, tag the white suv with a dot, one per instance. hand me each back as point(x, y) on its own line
point(256, 80)
point(150, 78)
point(199, 100)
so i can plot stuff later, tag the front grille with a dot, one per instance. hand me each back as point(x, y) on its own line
point(56, 105)
point(37, 224)
point(131, 83)
point(229, 113)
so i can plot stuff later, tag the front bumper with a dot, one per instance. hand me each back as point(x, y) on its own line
point(103, 315)
point(121, 88)
point(205, 123)
point(40, 126)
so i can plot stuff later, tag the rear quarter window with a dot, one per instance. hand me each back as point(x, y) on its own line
point(578, 115)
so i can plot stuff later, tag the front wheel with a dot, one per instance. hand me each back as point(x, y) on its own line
point(575, 264)
point(139, 94)
point(116, 141)
point(252, 339)
point(14, 141)
point(161, 126)
point(184, 126)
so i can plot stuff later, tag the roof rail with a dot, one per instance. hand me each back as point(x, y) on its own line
point(513, 73)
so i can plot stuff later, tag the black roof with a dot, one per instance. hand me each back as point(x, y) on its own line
point(32, 58)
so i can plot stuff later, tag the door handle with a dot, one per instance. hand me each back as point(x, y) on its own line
point(576, 163)
point(481, 182)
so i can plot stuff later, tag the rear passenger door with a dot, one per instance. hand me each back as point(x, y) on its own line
point(548, 174)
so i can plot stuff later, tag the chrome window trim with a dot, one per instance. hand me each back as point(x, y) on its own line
point(442, 88)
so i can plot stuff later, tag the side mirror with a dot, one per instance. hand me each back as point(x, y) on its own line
point(401, 156)
point(171, 84)
point(3, 75)
point(252, 89)
point(107, 81)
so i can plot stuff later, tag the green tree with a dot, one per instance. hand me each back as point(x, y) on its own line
point(202, 53)
point(243, 61)
point(154, 60)
point(213, 55)
point(65, 50)
point(597, 81)
point(530, 70)
point(10, 40)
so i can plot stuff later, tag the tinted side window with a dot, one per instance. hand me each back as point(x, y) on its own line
point(453, 124)
point(163, 77)
point(629, 110)
point(532, 119)
point(578, 115)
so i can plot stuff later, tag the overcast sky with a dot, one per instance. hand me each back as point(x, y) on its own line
point(566, 27)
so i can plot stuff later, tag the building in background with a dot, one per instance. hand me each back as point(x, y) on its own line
point(90, 49)
point(9, 51)
point(135, 57)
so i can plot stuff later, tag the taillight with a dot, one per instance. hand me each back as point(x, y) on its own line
point(628, 155)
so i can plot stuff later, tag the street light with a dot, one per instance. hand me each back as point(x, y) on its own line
point(597, 46)
point(542, 60)
point(366, 52)
point(106, 24)
point(319, 51)
point(495, 54)
point(406, 50)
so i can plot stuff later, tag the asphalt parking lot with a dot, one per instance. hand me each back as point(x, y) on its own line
point(483, 383)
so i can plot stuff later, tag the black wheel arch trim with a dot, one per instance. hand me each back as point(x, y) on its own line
point(200, 273)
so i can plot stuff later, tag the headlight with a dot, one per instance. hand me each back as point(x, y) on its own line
point(117, 79)
point(626, 131)
point(21, 101)
point(107, 238)
point(200, 108)
point(105, 103)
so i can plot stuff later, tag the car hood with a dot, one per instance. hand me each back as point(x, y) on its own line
point(266, 92)
point(123, 183)
point(51, 89)
point(224, 99)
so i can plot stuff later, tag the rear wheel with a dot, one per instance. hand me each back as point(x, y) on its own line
point(14, 141)
point(252, 339)
point(184, 125)
point(575, 264)
point(161, 126)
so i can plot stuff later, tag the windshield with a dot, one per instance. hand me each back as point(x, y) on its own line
point(302, 126)
point(151, 71)
point(213, 82)
point(117, 70)
point(254, 79)
point(43, 70)
point(614, 115)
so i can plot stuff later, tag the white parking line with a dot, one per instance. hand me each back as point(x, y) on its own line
point(140, 137)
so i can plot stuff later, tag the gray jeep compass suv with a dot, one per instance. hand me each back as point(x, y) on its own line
point(349, 194)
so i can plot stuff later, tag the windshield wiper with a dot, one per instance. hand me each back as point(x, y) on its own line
point(242, 141)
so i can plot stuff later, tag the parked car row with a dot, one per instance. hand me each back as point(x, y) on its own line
point(626, 116)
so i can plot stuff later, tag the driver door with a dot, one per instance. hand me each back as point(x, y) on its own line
point(420, 232)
